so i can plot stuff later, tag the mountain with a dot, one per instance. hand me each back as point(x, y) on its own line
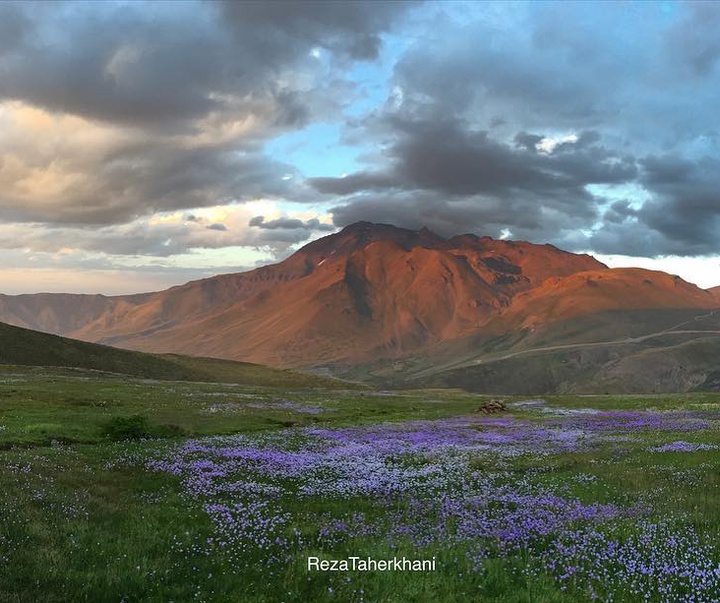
point(368, 290)
point(31, 348)
point(386, 303)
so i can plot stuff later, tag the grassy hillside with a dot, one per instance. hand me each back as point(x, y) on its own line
point(31, 348)
point(635, 351)
point(616, 325)
point(671, 363)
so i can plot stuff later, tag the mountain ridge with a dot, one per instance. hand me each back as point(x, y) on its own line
point(24, 347)
point(367, 292)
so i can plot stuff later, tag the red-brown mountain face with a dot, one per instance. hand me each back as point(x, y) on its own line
point(367, 292)
point(599, 291)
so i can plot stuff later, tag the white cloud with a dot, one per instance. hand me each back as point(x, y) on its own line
point(152, 252)
point(702, 271)
point(548, 143)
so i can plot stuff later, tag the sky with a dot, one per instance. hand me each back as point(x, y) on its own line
point(143, 145)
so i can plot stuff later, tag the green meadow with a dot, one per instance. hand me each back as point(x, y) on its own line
point(126, 489)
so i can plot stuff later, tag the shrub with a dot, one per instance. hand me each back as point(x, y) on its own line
point(133, 427)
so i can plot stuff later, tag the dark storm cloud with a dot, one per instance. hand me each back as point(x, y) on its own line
point(416, 210)
point(289, 224)
point(353, 183)
point(119, 63)
point(350, 27)
point(686, 201)
point(585, 125)
point(667, 170)
point(694, 38)
point(13, 26)
point(446, 176)
point(618, 212)
point(152, 63)
point(549, 66)
point(584, 140)
point(450, 157)
point(459, 179)
point(450, 216)
point(681, 217)
point(528, 141)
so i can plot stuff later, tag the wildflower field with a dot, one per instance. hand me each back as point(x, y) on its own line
point(122, 490)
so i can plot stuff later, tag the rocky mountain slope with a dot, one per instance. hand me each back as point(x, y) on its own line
point(375, 296)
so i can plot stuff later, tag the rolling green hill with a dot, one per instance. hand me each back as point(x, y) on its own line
point(20, 346)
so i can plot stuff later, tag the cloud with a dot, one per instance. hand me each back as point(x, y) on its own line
point(131, 129)
point(475, 182)
point(693, 40)
point(685, 207)
point(554, 123)
point(13, 26)
point(65, 169)
point(353, 183)
point(351, 28)
point(446, 176)
point(168, 234)
point(118, 63)
point(110, 111)
point(680, 217)
point(290, 224)
point(144, 63)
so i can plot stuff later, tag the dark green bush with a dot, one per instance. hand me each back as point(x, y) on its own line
point(136, 427)
point(133, 427)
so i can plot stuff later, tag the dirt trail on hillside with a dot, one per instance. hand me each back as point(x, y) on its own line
point(568, 346)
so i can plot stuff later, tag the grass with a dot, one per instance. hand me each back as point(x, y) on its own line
point(82, 519)
point(39, 406)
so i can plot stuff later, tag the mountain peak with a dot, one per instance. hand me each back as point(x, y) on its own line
point(361, 234)
point(383, 229)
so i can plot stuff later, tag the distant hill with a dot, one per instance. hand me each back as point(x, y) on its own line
point(612, 368)
point(376, 302)
point(619, 351)
point(675, 361)
point(20, 346)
